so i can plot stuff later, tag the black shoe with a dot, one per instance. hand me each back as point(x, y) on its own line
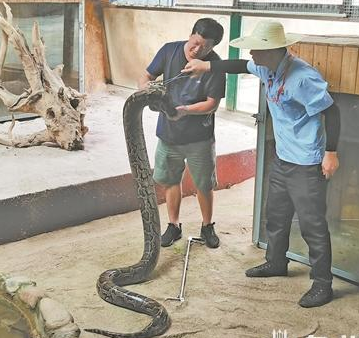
point(173, 233)
point(267, 270)
point(318, 295)
point(209, 236)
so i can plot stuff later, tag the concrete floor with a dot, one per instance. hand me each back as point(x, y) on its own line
point(220, 300)
point(105, 153)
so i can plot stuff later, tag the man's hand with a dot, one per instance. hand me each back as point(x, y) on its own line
point(330, 163)
point(144, 85)
point(145, 80)
point(197, 67)
point(181, 111)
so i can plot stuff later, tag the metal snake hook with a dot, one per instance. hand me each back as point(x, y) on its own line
point(156, 83)
point(191, 240)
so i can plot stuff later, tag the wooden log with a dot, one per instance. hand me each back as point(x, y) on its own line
point(334, 67)
point(320, 59)
point(357, 80)
point(61, 107)
point(349, 70)
point(294, 49)
point(306, 52)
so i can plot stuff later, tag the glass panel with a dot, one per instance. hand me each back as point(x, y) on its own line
point(342, 196)
point(59, 29)
point(269, 151)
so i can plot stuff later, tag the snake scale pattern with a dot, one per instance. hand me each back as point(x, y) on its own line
point(110, 283)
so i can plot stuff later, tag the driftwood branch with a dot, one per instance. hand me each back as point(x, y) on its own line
point(61, 107)
point(4, 44)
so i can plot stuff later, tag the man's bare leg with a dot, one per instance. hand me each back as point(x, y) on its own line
point(205, 201)
point(173, 201)
point(207, 230)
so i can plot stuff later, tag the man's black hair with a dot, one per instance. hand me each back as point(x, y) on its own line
point(209, 29)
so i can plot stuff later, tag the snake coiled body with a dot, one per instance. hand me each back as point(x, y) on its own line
point(110, 283)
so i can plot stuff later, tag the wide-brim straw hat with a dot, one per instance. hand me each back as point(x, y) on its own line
point(267, 34)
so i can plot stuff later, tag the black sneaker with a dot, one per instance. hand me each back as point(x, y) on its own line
point(318, 295)
point(267, 270)
point(172, 234)
point(209, 236)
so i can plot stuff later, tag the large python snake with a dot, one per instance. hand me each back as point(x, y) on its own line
point(110, 282)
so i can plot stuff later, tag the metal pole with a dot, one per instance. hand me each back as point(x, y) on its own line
point(191, 240)
point(233, 53)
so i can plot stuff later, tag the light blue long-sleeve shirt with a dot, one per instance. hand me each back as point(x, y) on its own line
point(296, 95)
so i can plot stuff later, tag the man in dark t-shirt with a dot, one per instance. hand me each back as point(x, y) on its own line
point(191, 137)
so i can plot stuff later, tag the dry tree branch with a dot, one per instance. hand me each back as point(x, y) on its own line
point(61, 107)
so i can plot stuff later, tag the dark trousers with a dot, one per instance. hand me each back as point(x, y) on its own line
point(301, 189)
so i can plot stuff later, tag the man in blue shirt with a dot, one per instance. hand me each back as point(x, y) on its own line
point(306, 155)
point(189, 139)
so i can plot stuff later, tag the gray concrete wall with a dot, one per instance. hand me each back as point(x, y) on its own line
point(134, 36)
point(35, 213)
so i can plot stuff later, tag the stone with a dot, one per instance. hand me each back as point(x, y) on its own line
point(31, 295)
point(54, 314)
point(70, 330)
point(13, 284)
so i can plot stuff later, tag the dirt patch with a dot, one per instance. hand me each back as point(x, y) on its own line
point(220, 300)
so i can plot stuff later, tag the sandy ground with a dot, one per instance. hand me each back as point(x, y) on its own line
point(220, 300)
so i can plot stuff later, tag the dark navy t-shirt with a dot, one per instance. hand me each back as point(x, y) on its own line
point(169, 61)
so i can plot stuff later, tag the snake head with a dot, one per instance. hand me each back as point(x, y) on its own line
point(159, 100)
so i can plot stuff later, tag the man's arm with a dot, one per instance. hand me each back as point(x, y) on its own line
point(197, 67)
point(154, 69)
point(332, 128)
point(144, 79)
point(200, 108)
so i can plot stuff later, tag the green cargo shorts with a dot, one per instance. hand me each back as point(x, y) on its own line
point(170, 161)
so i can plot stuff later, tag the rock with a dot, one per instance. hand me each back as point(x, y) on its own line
point(13, 284)
point(50, 318)
point(54, 314)
point(35, 334)
point(70, 330)
point(31, 295)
